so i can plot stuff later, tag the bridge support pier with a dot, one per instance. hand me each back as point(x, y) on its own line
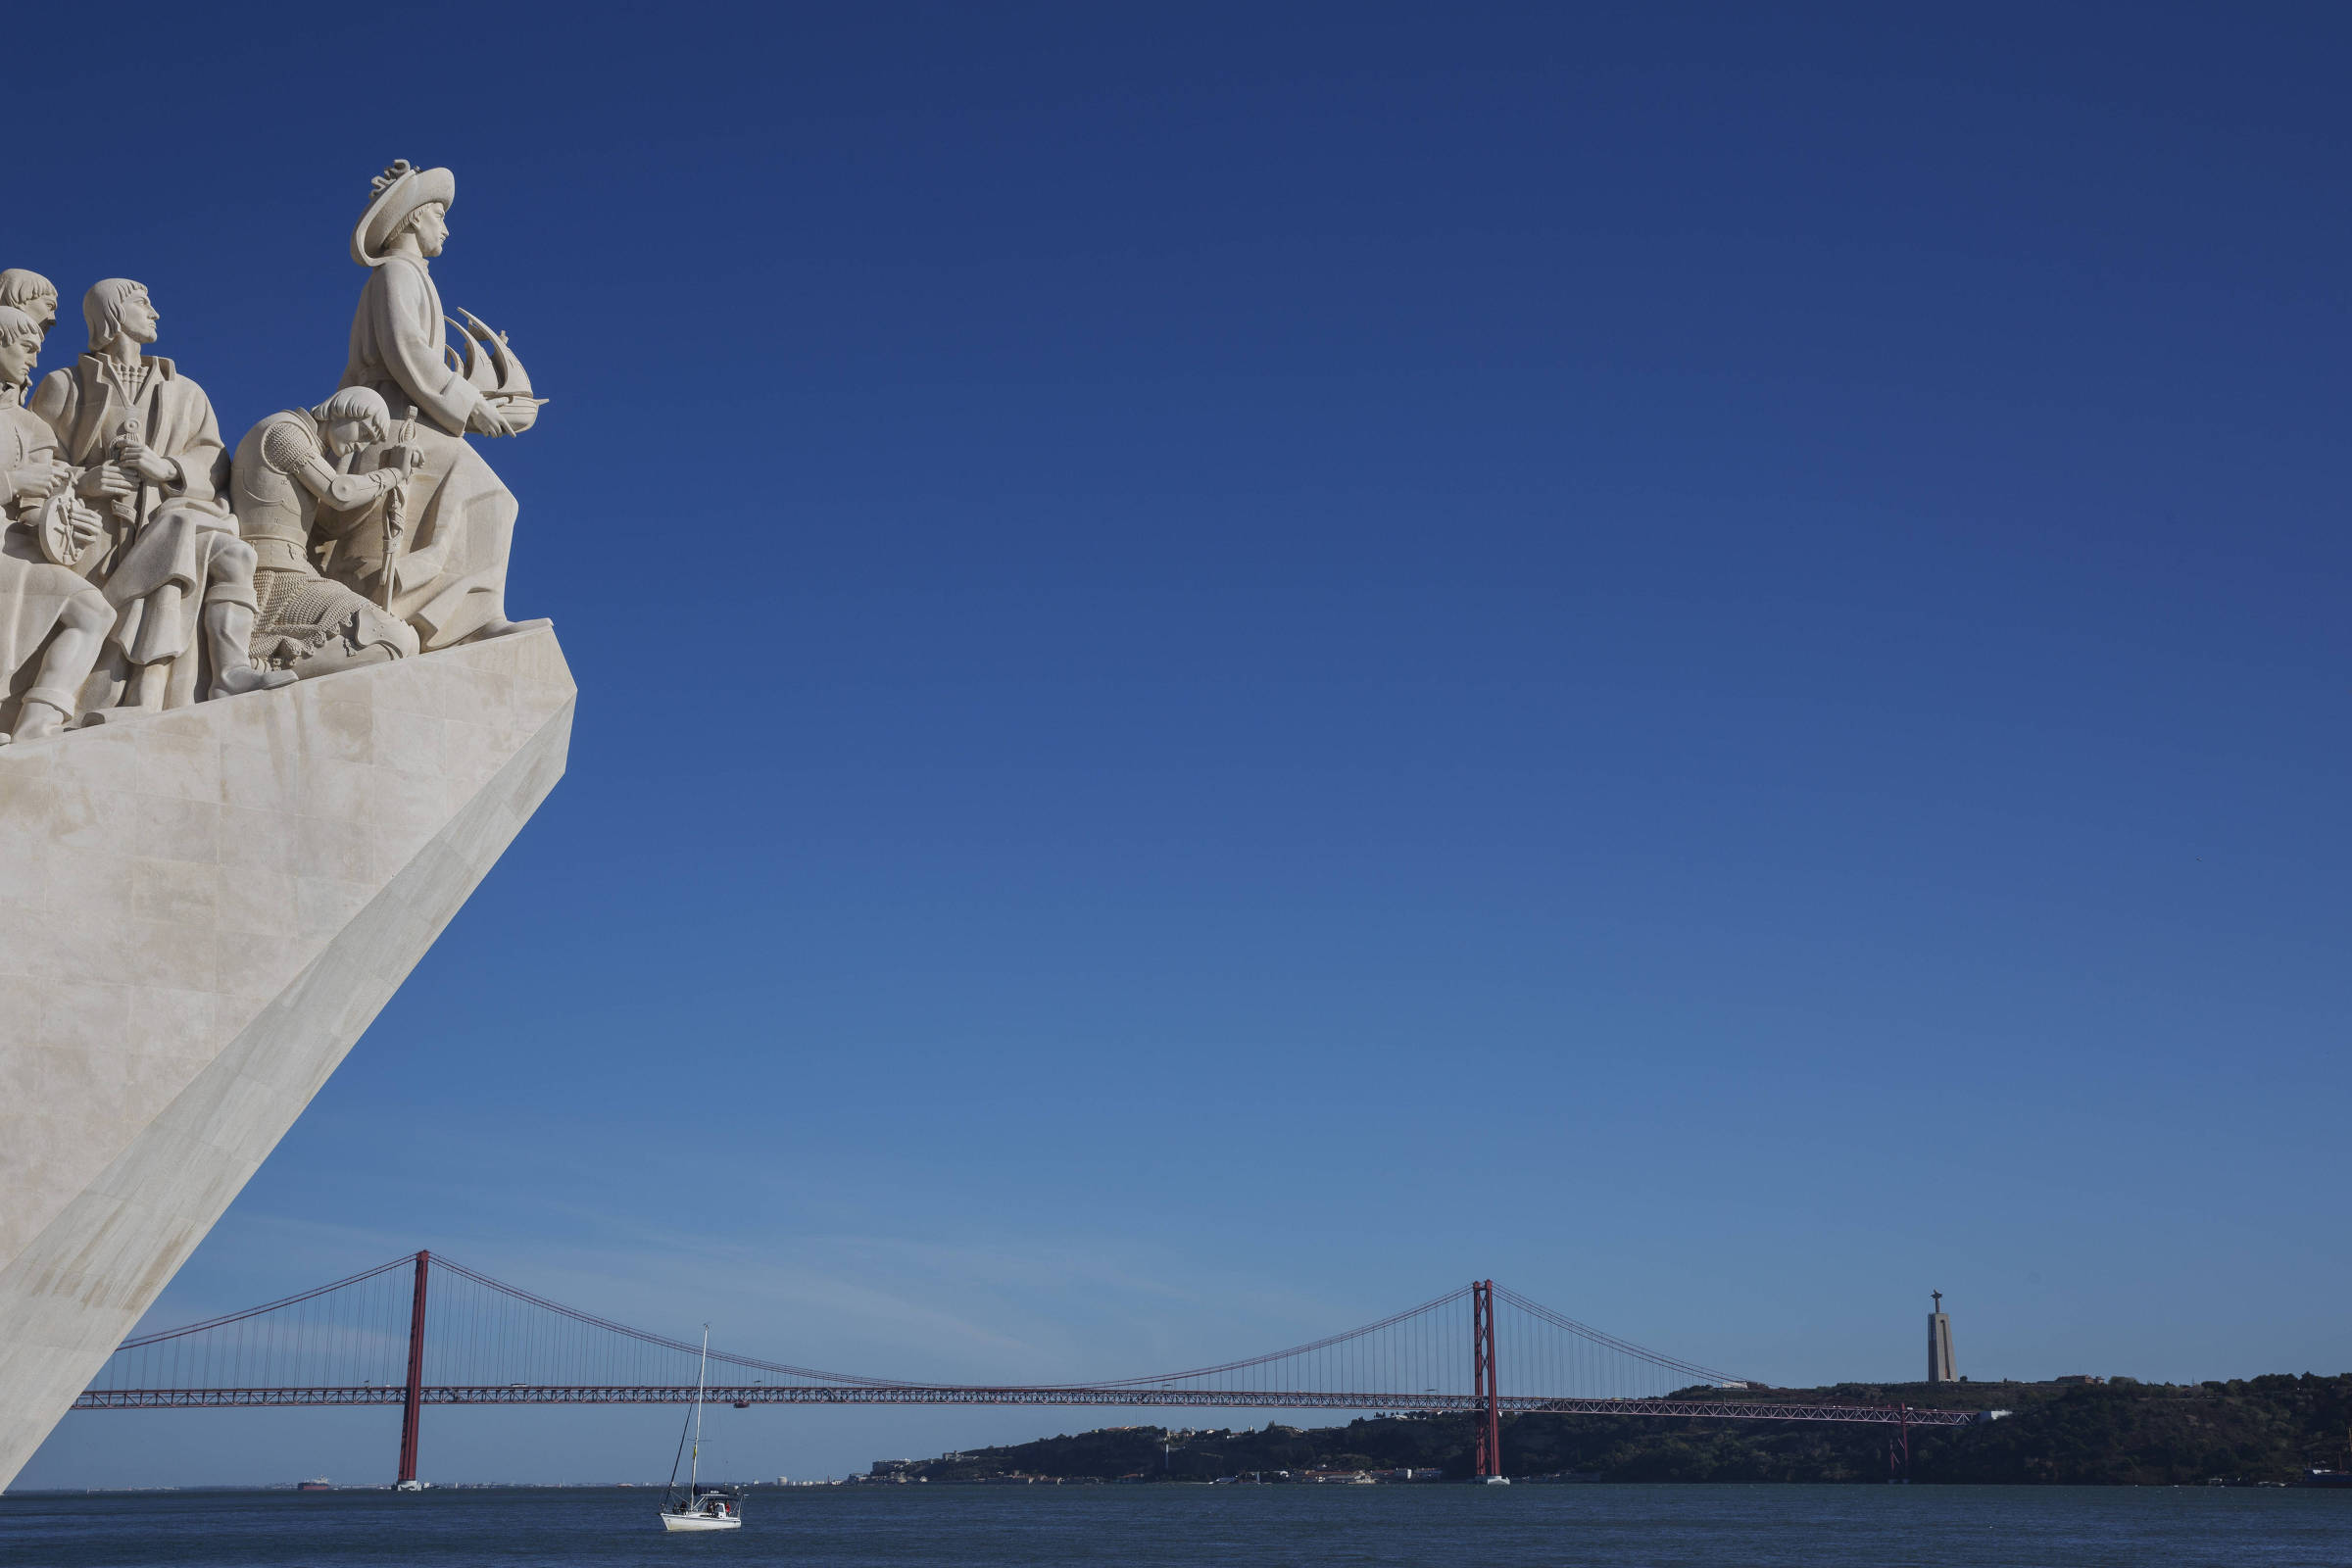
point(1481, 1378)
point(414, 1405)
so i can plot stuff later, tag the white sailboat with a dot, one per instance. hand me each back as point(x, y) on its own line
point(697, 1509)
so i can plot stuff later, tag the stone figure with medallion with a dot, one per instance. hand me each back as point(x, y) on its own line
point(52, 621)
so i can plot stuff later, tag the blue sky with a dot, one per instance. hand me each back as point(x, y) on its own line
point(1238, 662)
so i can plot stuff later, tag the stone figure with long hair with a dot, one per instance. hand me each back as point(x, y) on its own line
point(29, 291)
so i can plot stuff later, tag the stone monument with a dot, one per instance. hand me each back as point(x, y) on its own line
point(267, 724)
point(1940, 1367)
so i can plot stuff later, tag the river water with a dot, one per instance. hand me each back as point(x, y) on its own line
point(1151, 1526)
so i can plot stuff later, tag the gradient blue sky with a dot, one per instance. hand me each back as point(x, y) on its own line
point(1238, 662)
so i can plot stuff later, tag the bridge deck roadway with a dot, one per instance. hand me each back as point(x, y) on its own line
point(906, 1394)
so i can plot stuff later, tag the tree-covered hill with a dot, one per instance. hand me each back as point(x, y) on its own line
point(2118, 1433)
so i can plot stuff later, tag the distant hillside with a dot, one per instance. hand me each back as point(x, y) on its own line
point(2118, 1433)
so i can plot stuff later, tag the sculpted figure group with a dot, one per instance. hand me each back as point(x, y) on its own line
point(144, 565)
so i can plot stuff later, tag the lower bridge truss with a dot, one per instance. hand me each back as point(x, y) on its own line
point(948, 1393)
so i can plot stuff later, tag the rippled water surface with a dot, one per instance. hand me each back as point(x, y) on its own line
point(1143, 1527)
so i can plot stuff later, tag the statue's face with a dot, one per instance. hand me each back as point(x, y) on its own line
point(18, 358)
point(139, 317)
point(432, 228)
point(345, 435)
point(42, 308)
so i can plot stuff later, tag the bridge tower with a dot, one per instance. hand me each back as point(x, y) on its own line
point(1481, 1378)
point(412, 1405)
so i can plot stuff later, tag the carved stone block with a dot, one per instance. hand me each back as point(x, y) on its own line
point(200, 911)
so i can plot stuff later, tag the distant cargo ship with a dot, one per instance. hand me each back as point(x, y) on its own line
point(314, 1483)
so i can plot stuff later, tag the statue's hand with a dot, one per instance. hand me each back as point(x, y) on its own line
point(38, 481)
point(104, 482)
point(140, 460)
point(488, 420)
point(83, 524)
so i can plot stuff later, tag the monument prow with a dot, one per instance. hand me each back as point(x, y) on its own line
point(265, 724)
point(205, 910)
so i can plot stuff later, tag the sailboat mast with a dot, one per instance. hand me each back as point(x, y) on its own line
point(701, 1378)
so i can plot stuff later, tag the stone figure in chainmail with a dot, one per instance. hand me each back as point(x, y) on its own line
point(303, 482)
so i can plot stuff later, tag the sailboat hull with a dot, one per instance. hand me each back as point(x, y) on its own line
point(698, 1509)
point(697, 1521)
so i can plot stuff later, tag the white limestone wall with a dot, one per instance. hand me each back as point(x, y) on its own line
point(200, 911)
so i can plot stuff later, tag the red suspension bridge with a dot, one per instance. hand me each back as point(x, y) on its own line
point(424, 1329)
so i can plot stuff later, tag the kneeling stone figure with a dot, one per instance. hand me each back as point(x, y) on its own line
point(291, 485)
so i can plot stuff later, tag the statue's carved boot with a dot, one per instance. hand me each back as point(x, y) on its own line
point(38, 722)
point(246, 678)
point(229, 627)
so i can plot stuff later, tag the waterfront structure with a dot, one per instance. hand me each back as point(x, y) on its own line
point(1939, 1343)
point(327, 1347)
point(239, 798)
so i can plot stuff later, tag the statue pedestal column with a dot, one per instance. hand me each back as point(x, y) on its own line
point(200, 913)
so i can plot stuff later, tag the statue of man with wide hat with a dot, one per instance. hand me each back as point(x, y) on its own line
point(447, 578)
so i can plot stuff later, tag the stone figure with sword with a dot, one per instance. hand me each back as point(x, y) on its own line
point(396, 507)
point(314, 487)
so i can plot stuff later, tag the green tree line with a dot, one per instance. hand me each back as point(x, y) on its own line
point(2121, 1433)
